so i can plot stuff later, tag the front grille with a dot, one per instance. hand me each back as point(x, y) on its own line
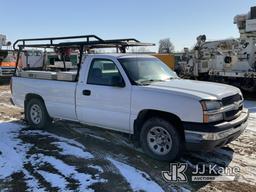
point(231, 99)
point(7, 72)
point(230, 115)
point(233, 113)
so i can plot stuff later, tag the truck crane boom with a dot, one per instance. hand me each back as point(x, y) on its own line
point(231, 61)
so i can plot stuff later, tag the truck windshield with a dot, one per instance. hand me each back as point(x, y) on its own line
point(146, 70)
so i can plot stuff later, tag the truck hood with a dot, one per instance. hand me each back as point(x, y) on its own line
point(199, 89)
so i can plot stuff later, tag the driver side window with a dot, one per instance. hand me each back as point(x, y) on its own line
point(102, 72)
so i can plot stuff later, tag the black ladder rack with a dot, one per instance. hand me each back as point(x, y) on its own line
point(86, 41)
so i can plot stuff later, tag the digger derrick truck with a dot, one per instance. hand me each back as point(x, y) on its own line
point(231, 61)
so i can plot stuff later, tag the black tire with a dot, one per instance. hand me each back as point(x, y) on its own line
point(167, 130)
point(43, 120)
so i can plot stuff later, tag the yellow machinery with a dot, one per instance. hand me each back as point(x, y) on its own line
point(167, 59)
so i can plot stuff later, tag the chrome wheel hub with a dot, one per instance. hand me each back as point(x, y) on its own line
point(36, 114)
point(159, 140)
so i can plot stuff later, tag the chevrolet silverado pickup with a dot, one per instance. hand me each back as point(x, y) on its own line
point(137, 95)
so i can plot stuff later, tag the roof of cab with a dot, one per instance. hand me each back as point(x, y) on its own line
point(123, 55)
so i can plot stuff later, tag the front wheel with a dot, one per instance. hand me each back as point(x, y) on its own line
point(160, 140)
point(36, 114)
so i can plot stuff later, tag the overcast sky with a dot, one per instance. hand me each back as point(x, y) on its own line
point(147, 20)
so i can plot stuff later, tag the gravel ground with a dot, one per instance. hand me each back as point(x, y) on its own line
point(73, 157)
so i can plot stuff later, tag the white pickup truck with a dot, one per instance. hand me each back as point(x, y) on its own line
point(141, 96)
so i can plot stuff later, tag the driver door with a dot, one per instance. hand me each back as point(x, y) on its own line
point(99, 101)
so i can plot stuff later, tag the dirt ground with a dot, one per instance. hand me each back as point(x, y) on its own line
point(107, 156)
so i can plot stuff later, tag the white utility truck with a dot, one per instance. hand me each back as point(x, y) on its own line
point(230, 61)
point(134, 94)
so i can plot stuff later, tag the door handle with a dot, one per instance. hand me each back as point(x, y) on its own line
point(86, 92)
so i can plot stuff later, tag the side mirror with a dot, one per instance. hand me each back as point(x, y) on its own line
point(117, 81)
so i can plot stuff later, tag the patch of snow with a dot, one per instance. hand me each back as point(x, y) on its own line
point(97, 167)
point(10, 118)
point(54, 179)
point(67, 149)
point(12, 150)
point(84, 180)
point(182, 189)
point(32, 183)
point(14, 154)
point(5, 93)
point(138, 180)
point(9, 106)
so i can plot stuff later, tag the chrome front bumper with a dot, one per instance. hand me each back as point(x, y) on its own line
point(210, 136)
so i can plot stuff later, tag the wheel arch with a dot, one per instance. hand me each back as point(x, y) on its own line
point(30, 96)
point(148, 113)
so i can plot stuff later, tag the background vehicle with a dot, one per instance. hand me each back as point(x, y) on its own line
point(231, 61)
point(7, 58)
point(134, 94)
point(168, 59)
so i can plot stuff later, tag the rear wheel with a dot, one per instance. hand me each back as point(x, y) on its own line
point(160, 139)
point(36, 114)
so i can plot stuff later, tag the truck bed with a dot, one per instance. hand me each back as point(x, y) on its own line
point(59, 96)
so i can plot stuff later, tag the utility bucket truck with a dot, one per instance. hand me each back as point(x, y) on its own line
point(230, 61)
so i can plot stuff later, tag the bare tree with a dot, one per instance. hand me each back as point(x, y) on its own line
point(165, 46)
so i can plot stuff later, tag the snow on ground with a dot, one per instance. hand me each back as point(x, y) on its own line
point(14, 155)
point(97, 167)
point(8, 106)
point(138, 180)
point(11, 149)
point(3, 93)
point(54, 179)
point(32, 182)
point(68, 149)
point(66, 170)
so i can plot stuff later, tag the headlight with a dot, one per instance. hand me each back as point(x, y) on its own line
point(211, 111)
point(211, 105)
